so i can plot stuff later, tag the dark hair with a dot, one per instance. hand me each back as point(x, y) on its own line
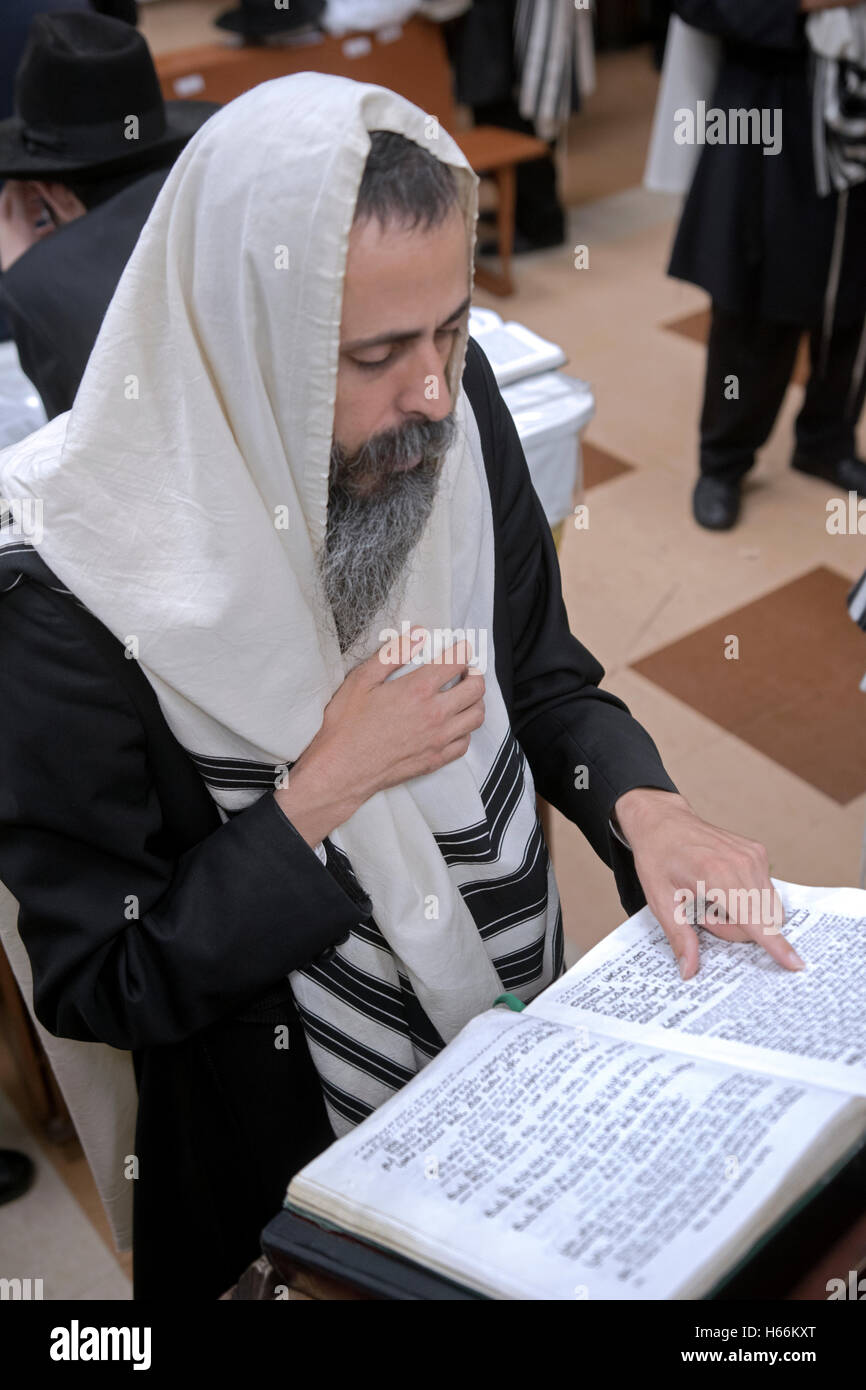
point(402, 182)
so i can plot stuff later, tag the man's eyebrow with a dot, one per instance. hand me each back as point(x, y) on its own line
point(382, 338)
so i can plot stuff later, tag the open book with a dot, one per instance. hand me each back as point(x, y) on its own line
point(512, 350)
point(628, 1134)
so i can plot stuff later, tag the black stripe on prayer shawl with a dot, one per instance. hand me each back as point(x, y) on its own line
point(421, 1030)
point(558, 952)
point(357, 1054)
point(498, 904)
point(413, 1021)
point(500, 794)
point(424, 1034)
point(523, 966)
point(376, 998)
point(242, 773)
point(857, 602)
point(369, 932)
point(344, 1104)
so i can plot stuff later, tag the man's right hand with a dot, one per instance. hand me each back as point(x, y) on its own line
point(378, 733)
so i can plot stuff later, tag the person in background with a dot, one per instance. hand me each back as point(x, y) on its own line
point(78, 190)
point(17, 18)
point(481, 50)
point(778, 258)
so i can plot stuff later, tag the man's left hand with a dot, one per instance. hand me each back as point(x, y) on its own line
point(675, 850)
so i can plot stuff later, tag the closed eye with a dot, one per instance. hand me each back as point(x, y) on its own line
point(381, 362)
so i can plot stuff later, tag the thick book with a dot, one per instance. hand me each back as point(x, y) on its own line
point(628, 1135)
point(512, 350)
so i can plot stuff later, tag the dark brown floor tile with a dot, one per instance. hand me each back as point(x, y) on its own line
point(793, 693)
point(694, 326)
point(599, 466)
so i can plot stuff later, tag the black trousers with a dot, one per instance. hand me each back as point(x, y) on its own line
point(761, 356)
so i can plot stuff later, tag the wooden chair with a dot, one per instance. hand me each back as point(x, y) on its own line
point(43, 1095)
point(411, 59)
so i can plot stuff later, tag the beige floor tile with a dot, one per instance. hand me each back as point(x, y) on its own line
point(830, 854)
point(606, 143)
point(44, 1234)
point(733, 785)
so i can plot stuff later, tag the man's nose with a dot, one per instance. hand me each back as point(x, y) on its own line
point(424, 390)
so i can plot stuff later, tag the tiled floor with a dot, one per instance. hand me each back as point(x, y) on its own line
point(756, 672)
point(768, 745)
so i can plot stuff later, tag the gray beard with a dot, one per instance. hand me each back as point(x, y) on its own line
point(371, 534)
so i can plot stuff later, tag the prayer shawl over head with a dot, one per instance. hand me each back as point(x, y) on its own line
point(203, 423)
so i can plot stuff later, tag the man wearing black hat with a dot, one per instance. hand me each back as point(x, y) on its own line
point(84, 156)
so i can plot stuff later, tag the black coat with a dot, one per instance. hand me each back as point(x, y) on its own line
point(754, 232)
point(56, 294)
point(98, 802)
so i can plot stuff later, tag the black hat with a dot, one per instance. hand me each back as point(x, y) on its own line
point(262, 18)
point(87, 100)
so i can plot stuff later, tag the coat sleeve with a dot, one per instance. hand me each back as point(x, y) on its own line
point(561, 718)
point(131, 945)
point(766, 23)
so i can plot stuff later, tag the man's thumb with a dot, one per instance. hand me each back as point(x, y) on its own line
point(396, 652)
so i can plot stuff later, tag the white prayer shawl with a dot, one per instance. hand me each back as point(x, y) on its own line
point(203, 422)
point(553, 43)
point(689, 74)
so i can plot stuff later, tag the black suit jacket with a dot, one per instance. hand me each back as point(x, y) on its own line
point(56, 294)
point(100, 806)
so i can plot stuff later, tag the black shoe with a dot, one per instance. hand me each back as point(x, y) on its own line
point(849, 474)
point(16, 1174)
point(716, 503)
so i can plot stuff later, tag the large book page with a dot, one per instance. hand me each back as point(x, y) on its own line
point(527, 1162)
point(741, 1007)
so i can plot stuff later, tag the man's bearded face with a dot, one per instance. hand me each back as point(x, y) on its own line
point(405, 301)
point(379, 500)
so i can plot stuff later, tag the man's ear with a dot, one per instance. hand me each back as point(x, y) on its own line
point(65, 204)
